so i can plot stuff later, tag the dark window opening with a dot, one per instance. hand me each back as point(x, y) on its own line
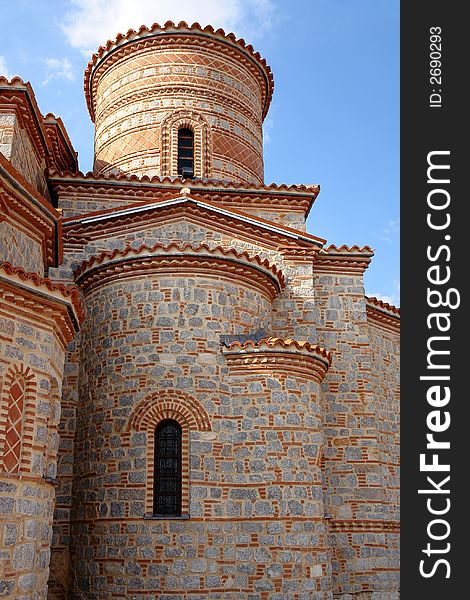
point(167, 476)
point(185, 153)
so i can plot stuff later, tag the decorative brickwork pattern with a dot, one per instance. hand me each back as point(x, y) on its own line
point(18, 406)
point(140, 93)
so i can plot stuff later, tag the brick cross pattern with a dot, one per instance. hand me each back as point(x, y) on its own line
point(12, 450)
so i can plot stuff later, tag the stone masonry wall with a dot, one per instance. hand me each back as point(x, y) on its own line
point(145, 337)
point(326, 308)
point(385, 347)
point(31, 362)
point(20, 249)
point(17, 147)
point(356, 495)
point(60, 569)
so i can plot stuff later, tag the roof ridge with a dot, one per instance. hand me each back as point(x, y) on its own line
point(382, 304)
point(345, 248)
point(196, 184)
point(139, 207)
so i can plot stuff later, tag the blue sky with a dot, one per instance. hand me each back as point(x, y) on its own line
point(334, 119)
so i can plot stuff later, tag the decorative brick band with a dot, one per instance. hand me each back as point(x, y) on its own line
point(180, 34)
point(181, 260)
point(369, 526)
point(150, 411)
point(190, 415)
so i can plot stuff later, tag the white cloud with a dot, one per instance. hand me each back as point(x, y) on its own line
point(4, 69)
point(268, 126)
point(58, 68)
point(390, 230)
point(383, 297)
point(90, 23)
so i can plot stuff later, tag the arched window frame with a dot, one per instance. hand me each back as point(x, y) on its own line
point(190, 415)
point(197, 123)
point(185, 152)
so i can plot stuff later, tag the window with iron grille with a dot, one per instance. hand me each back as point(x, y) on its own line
point(185, 153)
point(167, 477)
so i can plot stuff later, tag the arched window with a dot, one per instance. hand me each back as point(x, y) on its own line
point(167, 476)
point(185, 153)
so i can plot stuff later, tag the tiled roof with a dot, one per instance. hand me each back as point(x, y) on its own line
point(313, 189)
point(48, 133)
point(376, 302)
point(332, 249)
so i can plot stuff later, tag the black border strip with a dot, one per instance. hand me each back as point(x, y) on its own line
point(433, 124)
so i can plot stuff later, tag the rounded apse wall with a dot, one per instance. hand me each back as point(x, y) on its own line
point(252, 506)
point(146, 85)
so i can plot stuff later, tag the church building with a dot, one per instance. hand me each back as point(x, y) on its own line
point(198, 401)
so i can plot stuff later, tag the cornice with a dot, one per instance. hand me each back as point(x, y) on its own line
point(63, 156)
point(17, 95)
point(211, 185)
point(383, 306)
point(122, 191)
point(48, 134)
point(21, 202)
point(180, 260)
point(278, 354)
point(43, 297)
point(343, 259)
point(172, 34)
point(103, 223)
point(383, 314)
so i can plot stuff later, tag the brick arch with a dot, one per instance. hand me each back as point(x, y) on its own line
point(169, 405)
point(190, 415)
point(17, 419)
point(202, 142)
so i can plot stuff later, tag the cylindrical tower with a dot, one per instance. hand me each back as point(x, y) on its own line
point(179, 100)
